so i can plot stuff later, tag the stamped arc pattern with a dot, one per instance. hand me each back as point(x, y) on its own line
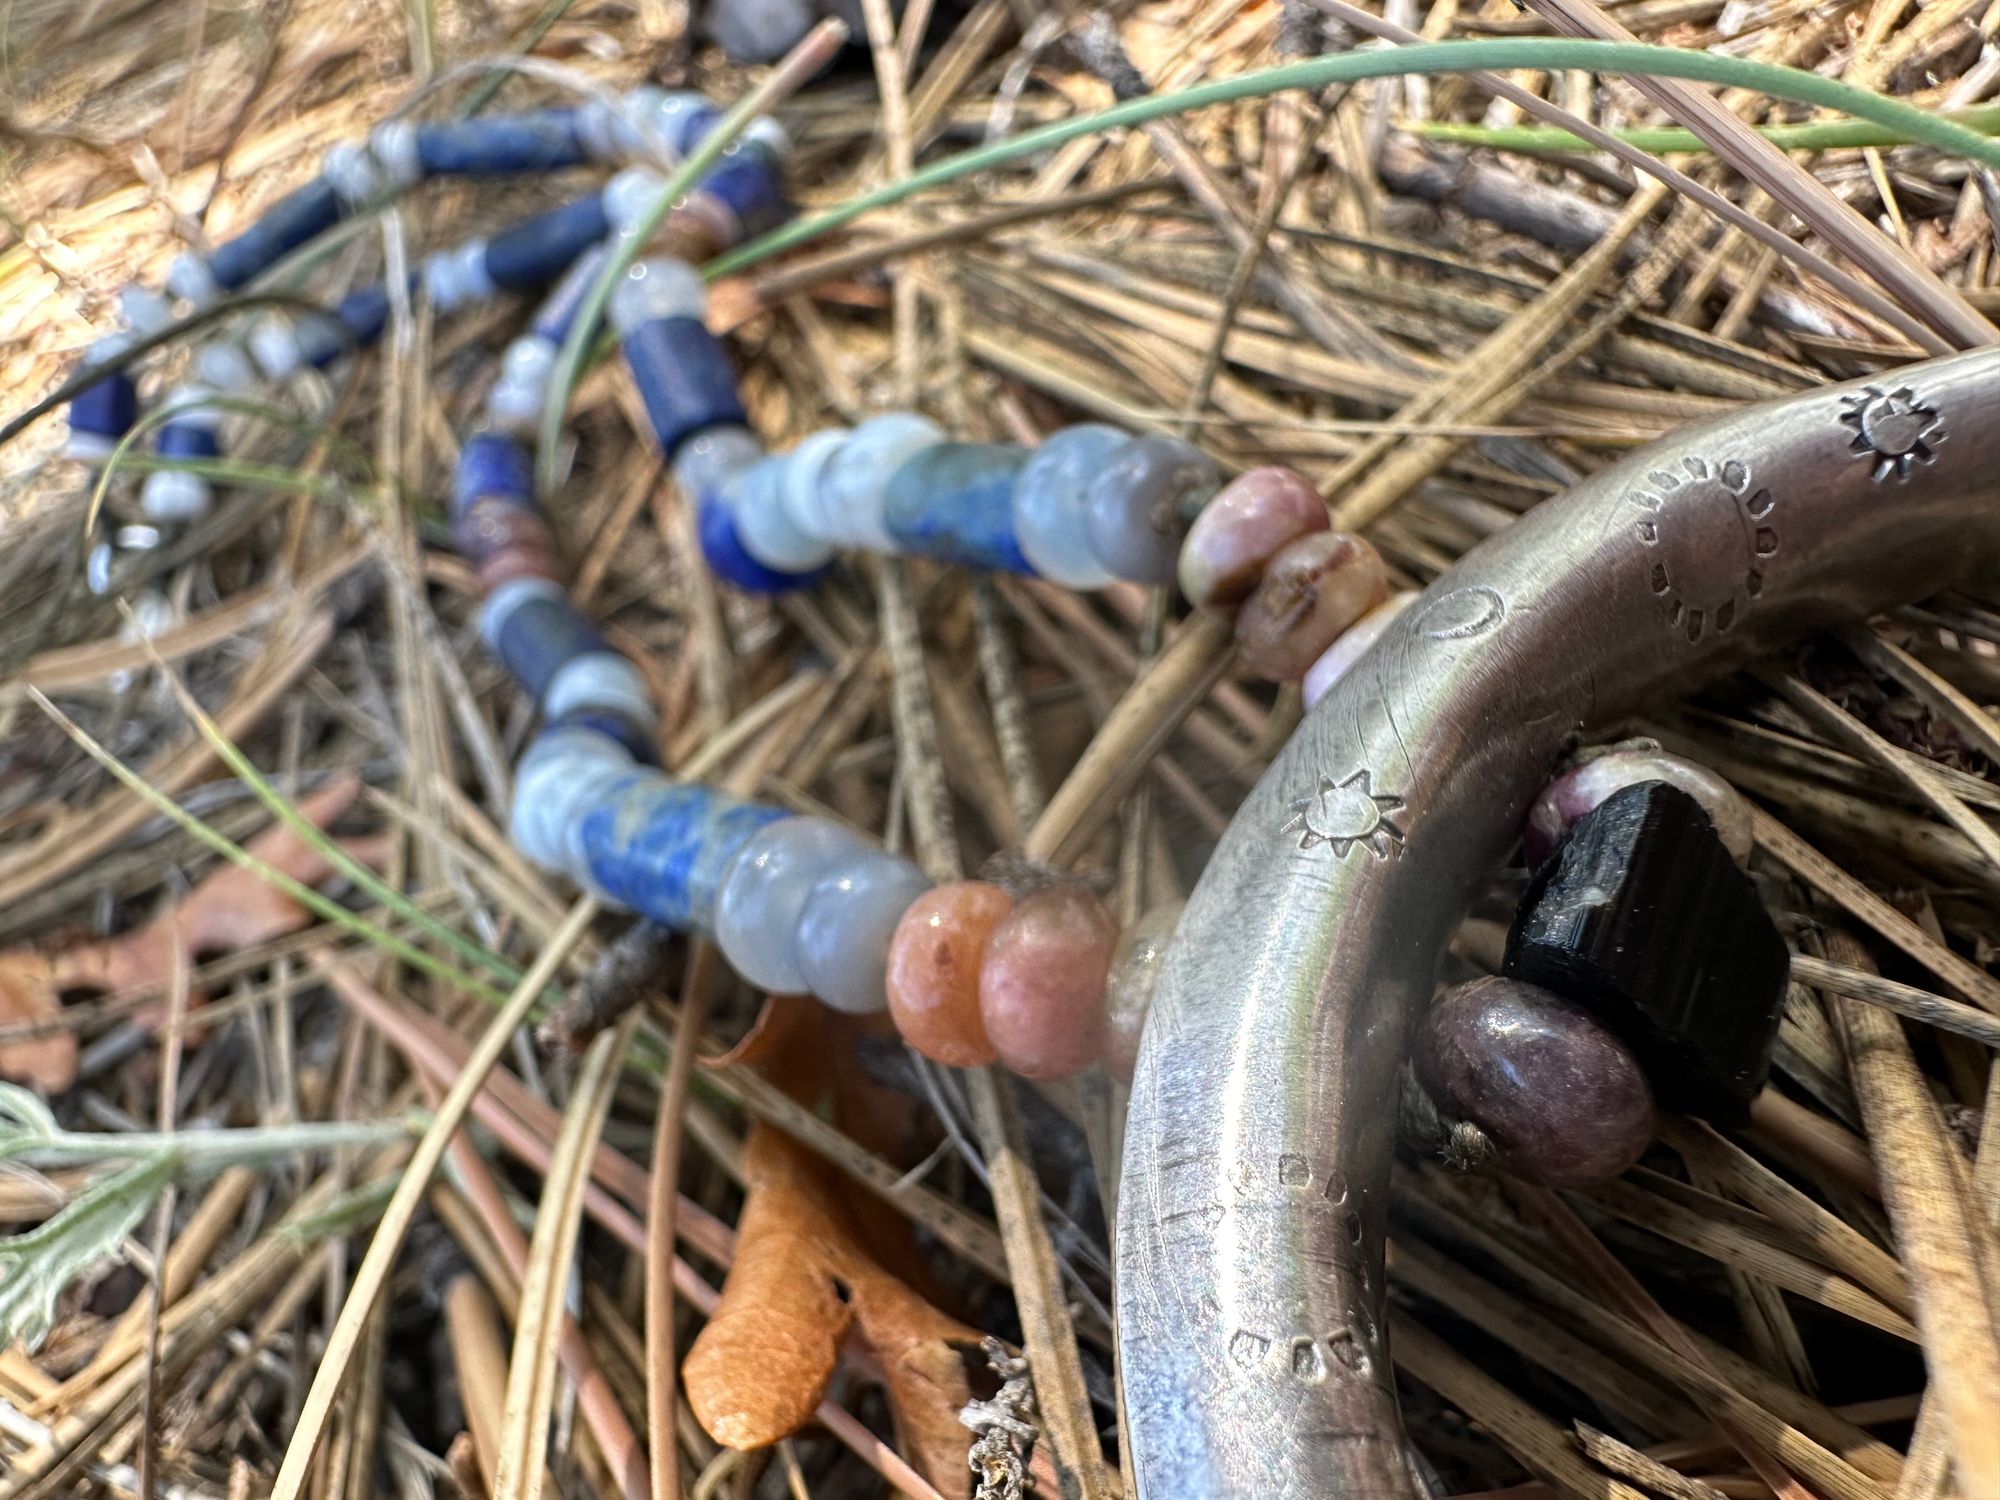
point(1251, 1311)
point(1707, 534)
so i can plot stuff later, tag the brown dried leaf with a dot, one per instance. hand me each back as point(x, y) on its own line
point(800, 1282)
point(29, 992)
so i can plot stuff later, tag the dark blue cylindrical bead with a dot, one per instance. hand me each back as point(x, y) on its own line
point(684, 377)
point(541, 637)
point(750, 184)
point(724, 550)
point(491, 463)
point(554, 317)
point(365, 313)
point(955, 502)
point(537, 252)
point(283, 227)
point(541, 140)
point(635, 737)
point(188, 438)
point(690, 127)
point(106, 409)
point(660, 847)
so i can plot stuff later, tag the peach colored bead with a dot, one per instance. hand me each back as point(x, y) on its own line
point(1346, 651)
point(934, 966)
point(1128, 989)
point(1314, 589)
point(1242, 529)
point(1041, 986)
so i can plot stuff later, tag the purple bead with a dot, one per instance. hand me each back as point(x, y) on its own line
point(684, 377)
point(1134, 508)
point(1554, 1089)
point(1595, 775)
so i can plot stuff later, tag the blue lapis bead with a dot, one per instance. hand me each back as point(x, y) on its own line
point(636, 738)
point(685, 129)
point(192, 438)
point(660, 847)
point(535, 253)
point(726, 555)
point(289, 223)
point(538, 141)
point(543, 635)
point(750, 185)
point(492, 464)
point(684, 377)
point(955, 502)
point(106, 409)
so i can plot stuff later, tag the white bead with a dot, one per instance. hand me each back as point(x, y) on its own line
point(770, 134)
point(604, 680)
point(804, 494)
point(393, 144)
point(657, 289)
point(563, 775)
point(274, 344)
point(857, 477)
point(455, 277)
point(97, 568)
point(510, 596)
point(758, 902)
point(176, 495)
point(152, 616)
point(594, 119)
point(766, 528)
point(226, 366)
point(144, 309)
point(1338, 659)
point(668, 117)
point(88, 447)
point(190, 277)
point(634, 133)
point(630, 196)
point(353, 171)
point(515, 402)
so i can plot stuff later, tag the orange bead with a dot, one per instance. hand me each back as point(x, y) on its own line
point(1041, 987)
point(934, 964)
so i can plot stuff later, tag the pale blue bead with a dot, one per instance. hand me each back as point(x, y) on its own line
point(657, 289)
point(845, 926)
point(857, 476)
point(714, 457)
point(804, 491)
point(1050, 522)
point(1137, 504)
point(765, 526)
point(757, 905)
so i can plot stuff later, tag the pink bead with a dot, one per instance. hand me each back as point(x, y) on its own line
point(1128, 989)
point(1242, 529)
point(1357, 638)
point(1314, 588)
point(1041, 983)
point(1593, 776)
point(932, 982)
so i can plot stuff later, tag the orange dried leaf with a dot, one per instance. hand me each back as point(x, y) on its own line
point(801, 1281)
point(29, 992)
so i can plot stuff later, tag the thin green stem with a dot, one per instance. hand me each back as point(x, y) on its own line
point(1498, 54)
point(209, 1150)
point(1666, 140)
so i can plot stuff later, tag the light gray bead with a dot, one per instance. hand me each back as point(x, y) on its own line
point(1049, 519)
point(768, 530)
point(755, 31)
point(1135, 505)
point(845, 927)
point(757, 906)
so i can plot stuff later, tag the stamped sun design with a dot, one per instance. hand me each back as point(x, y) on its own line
point(1345, 813)
point(1705, 555)
point(1895, 428)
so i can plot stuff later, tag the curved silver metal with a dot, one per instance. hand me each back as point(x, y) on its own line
point(1250, 1230)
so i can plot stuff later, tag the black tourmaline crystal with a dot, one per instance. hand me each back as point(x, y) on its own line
point(1643, 917)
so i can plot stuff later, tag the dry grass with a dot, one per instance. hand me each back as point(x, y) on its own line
point(1297, 281)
